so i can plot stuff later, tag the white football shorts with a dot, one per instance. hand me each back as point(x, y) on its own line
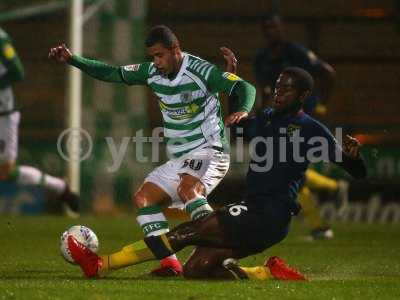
point(207, 164)
point(9, 137)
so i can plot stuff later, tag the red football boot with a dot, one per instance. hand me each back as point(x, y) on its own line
point(89, 261)
point(170, 267)
point(280, 270)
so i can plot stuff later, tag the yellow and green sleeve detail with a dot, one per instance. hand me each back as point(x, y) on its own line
point(9, 58)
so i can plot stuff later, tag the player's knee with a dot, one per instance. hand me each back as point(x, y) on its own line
point(196, 269)
point(139, 200)
point(190, 188)
point(185, 192)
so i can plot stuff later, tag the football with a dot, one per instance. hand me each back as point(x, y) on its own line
point(82, 234)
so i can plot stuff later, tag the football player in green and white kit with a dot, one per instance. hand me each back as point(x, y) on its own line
point(187, 88)
point(12, 71)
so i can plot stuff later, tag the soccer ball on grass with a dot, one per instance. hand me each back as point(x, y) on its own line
point(82, 234)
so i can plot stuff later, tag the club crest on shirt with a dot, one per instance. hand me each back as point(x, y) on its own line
point(186, 96)
point(292, 128)
point(132, 68)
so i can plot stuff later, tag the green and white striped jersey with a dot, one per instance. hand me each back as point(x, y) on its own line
point(189, 103)
point(6, 94)
point(10, 71)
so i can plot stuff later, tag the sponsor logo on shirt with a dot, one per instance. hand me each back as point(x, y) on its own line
point(186, 112)
point(132, 68)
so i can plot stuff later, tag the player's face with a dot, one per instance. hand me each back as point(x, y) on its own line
point(273, 30)
point(164, 58)
point(286, 97)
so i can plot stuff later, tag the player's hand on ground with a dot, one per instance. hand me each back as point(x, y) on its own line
point(60, 53)
point(351, 146)
point(235, 118)
point(230, 59)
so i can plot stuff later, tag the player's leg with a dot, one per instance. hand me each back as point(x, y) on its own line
point(193, 194)
point(206, 165)
point(30, 176)
point(207, 263)
point(312, 215)
point(309, 208)
point(202, 232)
point(25, 175)
point(176, 214)
point(213, 263)
point(199, 175)
point(317, 181)
point(8, 145)
point(246, 229)
point(149, 200)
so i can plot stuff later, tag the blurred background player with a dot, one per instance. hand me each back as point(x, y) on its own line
point(269, 62)
point(261, 220)
point(12, 71)
point(187, 88)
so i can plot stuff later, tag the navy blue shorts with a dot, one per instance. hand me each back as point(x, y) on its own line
point(253, 227)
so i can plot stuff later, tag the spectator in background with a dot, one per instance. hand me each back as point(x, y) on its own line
point(280, 53)
point(270, 61)
point(12, 71)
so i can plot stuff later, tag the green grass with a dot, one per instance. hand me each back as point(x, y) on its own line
point(362, 262)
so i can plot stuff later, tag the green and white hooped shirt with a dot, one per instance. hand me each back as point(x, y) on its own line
point(189, 103)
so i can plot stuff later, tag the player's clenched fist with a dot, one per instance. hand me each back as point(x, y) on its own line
point(60, 53)
point(235, 118)
point(351, 146)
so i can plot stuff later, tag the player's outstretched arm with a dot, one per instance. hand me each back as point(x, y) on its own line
point(93, 68)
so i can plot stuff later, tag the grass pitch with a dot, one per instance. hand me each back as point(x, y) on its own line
point(362, 262)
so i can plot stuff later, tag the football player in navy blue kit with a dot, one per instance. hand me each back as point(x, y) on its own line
point(278, 54)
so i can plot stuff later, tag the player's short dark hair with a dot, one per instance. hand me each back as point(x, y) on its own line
point(303, 80)
point(163, 35)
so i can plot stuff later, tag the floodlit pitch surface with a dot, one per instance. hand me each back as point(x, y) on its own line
point(362, 262)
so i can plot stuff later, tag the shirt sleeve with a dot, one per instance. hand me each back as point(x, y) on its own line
point(354, 166)
point(219, 81)
point(323, 139)
point(13, 69)
point(137, 74)
point(250, 127)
